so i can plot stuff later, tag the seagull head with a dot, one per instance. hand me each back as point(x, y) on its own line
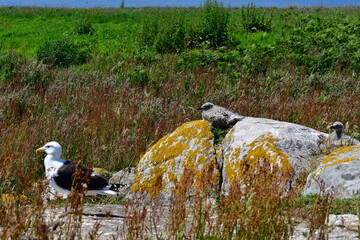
point(51, 148)
point(337, 126)
point(206, 106)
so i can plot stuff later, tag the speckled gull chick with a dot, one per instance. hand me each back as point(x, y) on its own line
point(219, 116)
point(61, 174)
point(337, 138)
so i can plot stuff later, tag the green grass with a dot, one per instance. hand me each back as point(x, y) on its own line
point(337, 206)
point(324, 35)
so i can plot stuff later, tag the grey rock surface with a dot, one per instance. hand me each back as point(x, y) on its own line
point(105, 222)
point(253, 139)
point(340, 227)
point(338, 174)
point(292, 147)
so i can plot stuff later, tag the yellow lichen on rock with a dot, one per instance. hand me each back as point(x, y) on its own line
point(262, 148)
point(189, 147)
point(233, 166)
point(229, 136)
point(335, 156)
point(218, 151)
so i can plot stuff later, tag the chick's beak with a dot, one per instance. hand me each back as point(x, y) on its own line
point(200, 108)
point(39, 150)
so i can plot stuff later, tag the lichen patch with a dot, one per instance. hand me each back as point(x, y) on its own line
point(263, 148)
point(189, 147)
point(341, 155)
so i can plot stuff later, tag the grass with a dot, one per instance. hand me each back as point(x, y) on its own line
point(135, 88)
point(338, 206)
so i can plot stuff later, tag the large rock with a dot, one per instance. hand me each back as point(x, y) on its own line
point(189, 149)
point(181, 157)
point(338, 174)
point(291, 146)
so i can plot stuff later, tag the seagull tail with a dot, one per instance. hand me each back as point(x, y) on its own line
point(116, 187)
point(109, 192)
point(113, 189)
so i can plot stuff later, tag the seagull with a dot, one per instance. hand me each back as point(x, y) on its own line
point(337, 137)
point(63, 174)
point(219, 117)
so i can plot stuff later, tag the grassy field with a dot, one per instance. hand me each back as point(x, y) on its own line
point(108, 83)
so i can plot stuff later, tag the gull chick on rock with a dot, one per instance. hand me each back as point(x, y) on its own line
point(219, 117)
point(337, 138)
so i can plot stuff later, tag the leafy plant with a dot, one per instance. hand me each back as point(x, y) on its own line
point(215, 23)
point(219, 134)
point(148, 31)
point(7, 67)
point(139, 77)
point(83, 27)
point(171, 38)
point(253, 20)
point(62, 53)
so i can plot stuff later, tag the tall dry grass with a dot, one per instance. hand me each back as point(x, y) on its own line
point(258, 207)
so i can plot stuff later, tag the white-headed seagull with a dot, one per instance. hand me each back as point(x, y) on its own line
point(63, 175)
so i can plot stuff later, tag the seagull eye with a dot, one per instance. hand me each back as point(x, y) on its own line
point(47, 147)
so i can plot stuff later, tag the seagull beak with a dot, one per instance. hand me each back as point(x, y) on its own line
point(39, 150)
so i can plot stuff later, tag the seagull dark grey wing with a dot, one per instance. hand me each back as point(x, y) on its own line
point(97, 182)
point(66, 177)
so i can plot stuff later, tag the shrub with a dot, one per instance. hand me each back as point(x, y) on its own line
point(166, 35)
point(149, 30)
point(139, 77)
point(215, 23)
point(169, 35)
point(7, 66)
point(200, 58)
point(171, 39)
point(253, 20)
point(62, 53)
point(84, 27)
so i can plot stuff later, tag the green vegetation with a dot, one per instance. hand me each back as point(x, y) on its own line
point(109, 83)
point(253, 20)
point(61, 53)
point(219, 134)
point(84, 27)
point(337, 206)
